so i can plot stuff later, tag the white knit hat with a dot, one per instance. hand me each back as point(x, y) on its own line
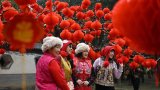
point(50, 42)
point(81, 47)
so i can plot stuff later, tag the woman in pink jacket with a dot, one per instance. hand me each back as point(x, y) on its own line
point(49, 73)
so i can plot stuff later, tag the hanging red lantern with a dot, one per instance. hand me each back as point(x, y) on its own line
point(88, 24)
point(80, 15)
point(141, 25)
point(98, 32)
point(92, 54)
point(78, 35)
point(110, 26)
point(121, 42)
point(75, 26)
point(9, 13)
point(118, 49)
point(98, 6)
point(125, 59)
point(96, 25)
point(88, 38)
point(64, 24)
point(138, 58)
point(49, 4)
point(86, 3)
point(153, 63)
point(93, 33)
point(6, 3)
point(25, 2)
point(2, 51)
point(128, 52)
point(60, 6)
point(71, 21)
point(51, 19)
point(23, 31)
point(99, 13)
point(90, 13)
point(68, 12)
point(148, 63)
point(133, 65)
point(107, 16)
point(120, 61)
point(106, 10)
point(1, 25)
point(65, 34)
point(114, 33)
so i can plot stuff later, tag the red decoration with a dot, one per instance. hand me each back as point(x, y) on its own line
point(75, 26)
point(98, 32)
point(96, 25)
point(98, 6)
point(106, 63)
point(2, 51)
point(9, 13)
point(141, 25)
point(23, 31)
point(117, 49)
point(99, 13)
point(86, 3)
point(133, 65)
point(80, 15)
point(51, 19)
point(128, 52)
point(139, 59)
point(88, 38)
point(120, 42)
point(64, 24)
point(120, 60)
point(25, 2)
point(1, 25)
point(6, 3)
point(106, 10)
point(60, 6)
point(68, 12)
point(114, 33)
point(78, 35)
point(90, 13)
point(153, 63)
point(107, 16)
point(65, 34)
point(88, 24)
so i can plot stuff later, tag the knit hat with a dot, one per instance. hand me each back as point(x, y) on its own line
point(81, 47)
point(50, 42)
point(65, 44)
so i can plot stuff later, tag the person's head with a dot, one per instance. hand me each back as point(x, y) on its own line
point(67, 47)
point(82, 50)
point(108, 52)
point(52, 45)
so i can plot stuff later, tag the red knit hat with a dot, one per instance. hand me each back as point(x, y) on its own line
point(64, 48)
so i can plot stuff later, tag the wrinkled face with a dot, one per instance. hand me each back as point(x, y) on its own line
point(55, 50)
point(69, 49)
point(111, 54)
point(85, 54)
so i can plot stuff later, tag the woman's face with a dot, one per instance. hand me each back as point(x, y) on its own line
point(111, 54)
point(55, 50)
point(69, 49)
point(85, 54)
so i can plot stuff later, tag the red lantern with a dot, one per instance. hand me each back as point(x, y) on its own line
point(99, 13)
point(64, 24)
point(106, 10)
point(153, 63)
point(2, 51)
point(65, 34)
point(107, 16)
point(23, 31)
point(51, 19)
point(80, 15)
point(6, 3)
point(148, 63)
point(92, 54)
point(98, 32)
point(9, 13)
point(71, 21)
point(138, 58)
point(93, 33)
point(78, 35)
point(128, 52)
point(90, 13)
point(133, 65)
point(49, 4)
point(86, 3)
point(25, 2)
point(96, 25)
point(1, 25)
point(68, 12)
point(120, 60)
point(117, 49)
point(98, 6)
point(75, 26)
point(141, 25)
point(88, 38)
point(120, 42)
point(88, 24)
point(60, 6)
point(114, 33)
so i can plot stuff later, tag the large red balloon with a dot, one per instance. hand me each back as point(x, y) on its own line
point(139, 22)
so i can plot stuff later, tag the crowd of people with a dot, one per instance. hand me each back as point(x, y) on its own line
point(61, 69)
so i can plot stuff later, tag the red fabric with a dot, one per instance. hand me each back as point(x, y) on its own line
point(57, 75)
point(105, 51)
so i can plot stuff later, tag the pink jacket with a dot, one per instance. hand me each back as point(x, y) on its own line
point(44, 79)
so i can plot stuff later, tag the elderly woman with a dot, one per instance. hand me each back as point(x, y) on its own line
point(82, 73)
point(105, 73)
point(49, 73)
